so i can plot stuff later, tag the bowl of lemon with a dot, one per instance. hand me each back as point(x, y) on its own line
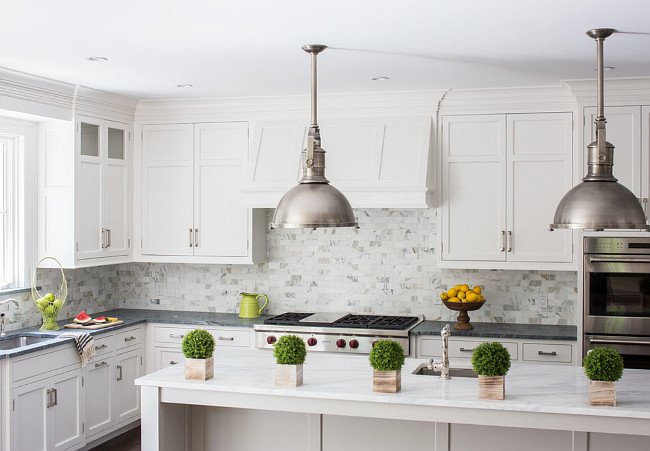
point(462, 298)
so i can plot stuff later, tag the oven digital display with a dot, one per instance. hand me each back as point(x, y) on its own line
point(619, 294)
point(638, 246)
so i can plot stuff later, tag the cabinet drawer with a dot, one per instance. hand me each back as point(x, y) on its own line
point(429, 347)
point(538, 352)
point(172, 335)
point(231, 337)
point(42, 362)
point(464, 348)
point(165, 357)
point(128, 338)
point(104, 345)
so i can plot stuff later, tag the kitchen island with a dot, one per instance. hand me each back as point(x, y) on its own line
point(546, 407)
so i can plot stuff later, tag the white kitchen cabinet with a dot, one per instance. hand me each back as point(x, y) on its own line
point(502, 178)
point(192, 209)
point(85, 196)
point(378, 162)
point(128, 367)
point(164, 357)
point(47, 414)
point(100, 395)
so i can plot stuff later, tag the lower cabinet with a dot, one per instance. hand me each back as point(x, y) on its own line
point(100, 393)
point(47, 414)
point(164, 357)
point(128, 367)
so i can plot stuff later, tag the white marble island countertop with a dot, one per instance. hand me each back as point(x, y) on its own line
point(542, 396)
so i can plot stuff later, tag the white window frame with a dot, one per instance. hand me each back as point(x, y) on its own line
point(19, 137)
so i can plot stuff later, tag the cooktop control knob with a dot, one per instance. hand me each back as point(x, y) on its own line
point(271, 339)
point(354, 344)
point(340, 343)
point(311, 341)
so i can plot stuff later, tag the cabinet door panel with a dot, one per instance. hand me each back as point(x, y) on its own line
point(99, 396)
point(165, 357)
point(473, 187)
point(29, 419)
point(116, 209)
point(128, 368)
point(539, 174)
point(351, 150)
point(90, 218)
point(624, 132)
point(275, 158)
point(167, 189)
point(221, 219)
point(66, 415)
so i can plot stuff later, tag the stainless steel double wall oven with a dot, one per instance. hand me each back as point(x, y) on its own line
point(617, 297)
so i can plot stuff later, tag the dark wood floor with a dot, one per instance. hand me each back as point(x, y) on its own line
point(129, 441)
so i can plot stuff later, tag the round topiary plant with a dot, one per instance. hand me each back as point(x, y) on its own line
point(198, 344)
point(387, 355)
point(289, 350)
point(491, 359)
point(603, 364)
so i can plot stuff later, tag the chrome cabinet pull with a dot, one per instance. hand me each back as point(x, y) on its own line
point(196, 237)
point(131, 338)
point(467, 349)
point(97, 365)
point(176, 336)
point(104, 239)
point(645, 207)
point(49, 399)
point(226, 338)
point(56, 397)
point(97, 348)
point(509, 240)
point(191, 237)
point(546, 353)
point(108, 239)
point(119, 368)
point(173, 362)
point(503, 241)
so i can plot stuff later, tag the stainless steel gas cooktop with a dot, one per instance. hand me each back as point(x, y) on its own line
point(337, 332)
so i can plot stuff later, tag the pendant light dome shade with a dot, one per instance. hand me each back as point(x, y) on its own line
point(314, 203)
point(599, 202)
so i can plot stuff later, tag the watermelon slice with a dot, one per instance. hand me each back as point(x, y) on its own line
point(101, 319)
point(82, 318)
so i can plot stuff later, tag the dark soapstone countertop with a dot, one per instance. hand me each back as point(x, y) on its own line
point(501, 330)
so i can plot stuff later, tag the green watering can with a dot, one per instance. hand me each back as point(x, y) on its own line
point(250, 306)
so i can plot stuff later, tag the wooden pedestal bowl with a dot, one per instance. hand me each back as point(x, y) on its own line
point(462, 322)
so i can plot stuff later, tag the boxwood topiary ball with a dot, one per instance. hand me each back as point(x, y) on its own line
point(491, 359)
point(198, 344)
point(603, 364)
point(290, 350)
point(387, 355)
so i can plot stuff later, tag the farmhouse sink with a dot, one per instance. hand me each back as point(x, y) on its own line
point(424, 370)
point(18, 341)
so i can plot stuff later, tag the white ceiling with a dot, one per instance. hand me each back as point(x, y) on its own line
point(252, 47)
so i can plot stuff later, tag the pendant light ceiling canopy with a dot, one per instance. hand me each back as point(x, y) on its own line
point(313, 203)
point(599, 202)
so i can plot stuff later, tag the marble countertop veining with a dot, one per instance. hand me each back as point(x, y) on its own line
point(501, 330)
point(534, 388)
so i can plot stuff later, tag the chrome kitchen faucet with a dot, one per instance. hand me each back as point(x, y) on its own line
point(443, 366)
point(2, 316)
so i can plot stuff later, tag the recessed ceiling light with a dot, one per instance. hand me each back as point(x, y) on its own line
point(382, 78)
point(97, 59)
point(606, 68)
point(185, 85)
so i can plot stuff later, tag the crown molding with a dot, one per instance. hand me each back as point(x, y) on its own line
point(618, 91)
point(234, 109)
point(46, 98)
point(508, 100)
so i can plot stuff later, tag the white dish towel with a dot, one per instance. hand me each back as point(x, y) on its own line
point(85, 345)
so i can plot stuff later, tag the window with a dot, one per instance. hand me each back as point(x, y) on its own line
point(8, 229)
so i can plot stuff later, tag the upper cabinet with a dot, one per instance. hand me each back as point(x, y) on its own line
point(84, 197)
point(502, 177)
point(191, 208)
point(375, 161)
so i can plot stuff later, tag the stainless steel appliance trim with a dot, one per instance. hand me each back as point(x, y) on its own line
point(614, 259)
point(619, 342)
point(617, 246)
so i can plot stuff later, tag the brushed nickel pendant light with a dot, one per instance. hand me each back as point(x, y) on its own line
point(313, 203)
point(599, 202)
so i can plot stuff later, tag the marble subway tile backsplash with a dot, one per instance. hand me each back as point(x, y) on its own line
point(387, 266)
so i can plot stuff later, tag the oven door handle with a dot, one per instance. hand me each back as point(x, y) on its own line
point(619, 342)
point(618, 260)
